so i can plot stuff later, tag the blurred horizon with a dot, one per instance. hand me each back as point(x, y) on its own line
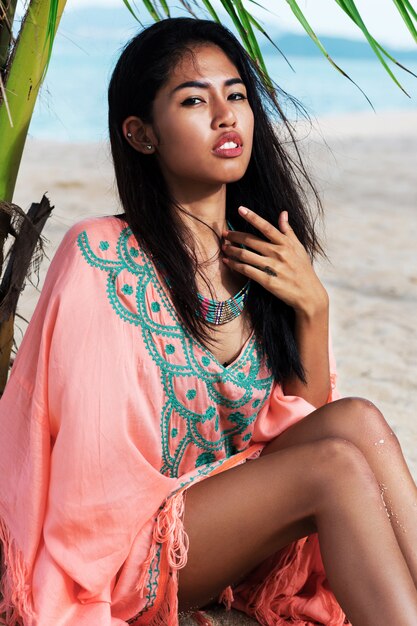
point(72, 104)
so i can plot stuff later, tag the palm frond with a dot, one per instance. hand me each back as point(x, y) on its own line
point(50, 33)
point(350, 8)
point(211, 11)
point(408, 14)
point(305, 24)
point(245, 23)
point(153, 10)
point(129, 8)
point(265, 34)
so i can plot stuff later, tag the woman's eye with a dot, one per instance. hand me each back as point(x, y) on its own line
point(238, 96)
point(190, 101)
point(196, 99)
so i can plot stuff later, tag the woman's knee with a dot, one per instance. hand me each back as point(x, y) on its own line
point(339, 462)
point(366, 420)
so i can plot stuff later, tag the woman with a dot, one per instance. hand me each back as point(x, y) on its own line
point(171, 432)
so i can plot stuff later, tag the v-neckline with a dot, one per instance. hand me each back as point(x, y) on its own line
point(245, 347)
point(239, 356)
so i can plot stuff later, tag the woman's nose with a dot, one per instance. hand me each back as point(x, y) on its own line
point(223, 115)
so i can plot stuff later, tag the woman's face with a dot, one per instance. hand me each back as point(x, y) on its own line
point(202, 121)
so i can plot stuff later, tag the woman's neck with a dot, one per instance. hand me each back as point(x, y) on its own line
point(201, 215)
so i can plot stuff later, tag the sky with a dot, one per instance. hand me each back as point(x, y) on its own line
point(325, 16)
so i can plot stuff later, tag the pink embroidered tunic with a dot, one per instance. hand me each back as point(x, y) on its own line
point(111, 412)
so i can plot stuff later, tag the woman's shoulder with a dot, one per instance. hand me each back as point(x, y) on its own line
point(99, 234)
point(107, 227)
point(88, 242)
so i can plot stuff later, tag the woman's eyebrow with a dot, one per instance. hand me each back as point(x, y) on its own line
point(205, 85)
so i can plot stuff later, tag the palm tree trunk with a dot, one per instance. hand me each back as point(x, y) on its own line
point(24, 72)
point(6, 22)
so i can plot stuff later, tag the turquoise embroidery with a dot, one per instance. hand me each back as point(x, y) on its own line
point(127, 289)
point(211, 412)
point(152, 586)
point(225, 425)
point(204, 458)
point(237, 417)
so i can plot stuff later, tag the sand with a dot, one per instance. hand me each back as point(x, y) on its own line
point(366, 172)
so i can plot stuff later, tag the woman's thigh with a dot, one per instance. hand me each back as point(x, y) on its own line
point(236, 519)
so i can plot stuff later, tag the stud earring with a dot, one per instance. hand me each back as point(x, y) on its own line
point(129, 134)
point(149, 146)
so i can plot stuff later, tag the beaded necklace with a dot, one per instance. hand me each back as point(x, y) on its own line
point(215, 311)
point(220, 312)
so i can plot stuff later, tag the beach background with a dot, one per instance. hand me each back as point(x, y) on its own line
point(364, 163)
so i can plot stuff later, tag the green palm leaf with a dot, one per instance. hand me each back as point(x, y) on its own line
point(24, 77)
point(241, 17)
point(407, 13)
point(304, 23)
point(265, 34)
point(129, 8)
point(349, 7)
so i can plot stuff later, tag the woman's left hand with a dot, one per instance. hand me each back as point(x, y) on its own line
point(281, 264)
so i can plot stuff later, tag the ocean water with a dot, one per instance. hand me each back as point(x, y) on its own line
point(72, 104)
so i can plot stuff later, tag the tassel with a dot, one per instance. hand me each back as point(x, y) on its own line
point(168, 612)
point(271, 588)
point(15, 603)
point(144, 570)
point(201, 619)
point(227, 597)
point(168, 530)
point(277, 596)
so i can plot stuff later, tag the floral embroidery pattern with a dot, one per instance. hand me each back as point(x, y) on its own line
point(224, 427)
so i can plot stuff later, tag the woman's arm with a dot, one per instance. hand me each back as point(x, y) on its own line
point(312, 337)
point(283, 267)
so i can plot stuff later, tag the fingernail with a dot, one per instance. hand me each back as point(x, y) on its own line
point(286, 216)
point(242, 210)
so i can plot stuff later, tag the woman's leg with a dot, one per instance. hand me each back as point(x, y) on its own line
point(236, 519)
point(360, 422)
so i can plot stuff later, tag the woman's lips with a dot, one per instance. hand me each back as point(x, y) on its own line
point(226, 153)
point(229, 145)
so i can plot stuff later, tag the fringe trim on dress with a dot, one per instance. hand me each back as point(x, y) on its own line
point(273, 601)
point(227, 598)
point(170, 533)
point(15, 599)
point(201, 619)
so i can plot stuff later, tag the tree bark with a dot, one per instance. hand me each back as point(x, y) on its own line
point(25, 254)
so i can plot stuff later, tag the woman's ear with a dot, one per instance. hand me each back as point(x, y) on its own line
point(140, 136)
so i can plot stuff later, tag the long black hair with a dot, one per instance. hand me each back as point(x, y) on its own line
point(273, 181)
